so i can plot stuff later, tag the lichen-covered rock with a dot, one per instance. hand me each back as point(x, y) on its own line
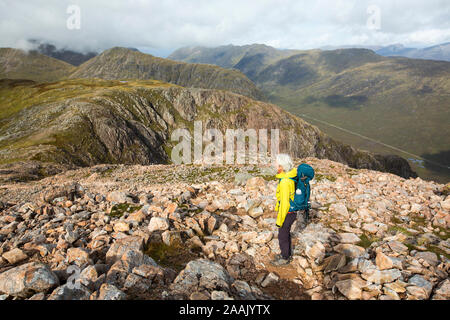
point(27, 279)
point(110, 292)
point(203, 274)
point(350, 250)
point(78, 256)
point(443, 291)
point(350, 289)
point(381, 277)
point(158, 224)
point(66, 292)
point(124, 248)
point(15, 255)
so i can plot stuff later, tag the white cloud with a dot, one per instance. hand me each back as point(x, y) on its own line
point(162, 26)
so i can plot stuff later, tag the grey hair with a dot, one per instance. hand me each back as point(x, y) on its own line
point(285, 161)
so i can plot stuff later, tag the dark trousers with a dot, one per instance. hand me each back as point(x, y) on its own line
point(284, 235)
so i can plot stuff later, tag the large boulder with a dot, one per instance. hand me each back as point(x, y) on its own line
point(124, 248)
point(124, 255)
point(350, 288)
point(25, 280)
point(202, 274)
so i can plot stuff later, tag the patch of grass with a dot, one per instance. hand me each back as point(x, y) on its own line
point(366, 241)
point(437, 250)
point(175, 256)
point(421, 221)
point(118, 210)
point(445, 231)
point(107, 172)
point(396, 220)
point(395, 229)
point(410, 246)
point(320, 177)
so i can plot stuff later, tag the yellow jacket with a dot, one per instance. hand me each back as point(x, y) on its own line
point(285, 193)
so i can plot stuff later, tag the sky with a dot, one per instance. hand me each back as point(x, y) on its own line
point(160, 27)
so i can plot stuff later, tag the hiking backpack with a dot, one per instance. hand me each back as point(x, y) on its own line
point(305, 173)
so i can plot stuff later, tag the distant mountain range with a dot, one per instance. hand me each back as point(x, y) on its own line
point(436, 52)
point(399, 101)
point(70, 56)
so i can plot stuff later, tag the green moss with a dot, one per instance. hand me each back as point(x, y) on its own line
point(320, 177)
point(421, 221)
point(107, 172)
point(366, 241)
point(445, 235)
point(395, 229)
point(175, 256)
point(410, 246)
point(118, 210)
point(396, 220)
point(437, 250)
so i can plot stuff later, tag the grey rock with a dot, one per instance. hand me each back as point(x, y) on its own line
point(66, 292)
point(27, 279)
point(110, 292)
point(202, 274)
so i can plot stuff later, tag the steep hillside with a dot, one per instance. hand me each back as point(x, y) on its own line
point(122, 63)
point(89, 121)
point(398, 101)
point(18, 64)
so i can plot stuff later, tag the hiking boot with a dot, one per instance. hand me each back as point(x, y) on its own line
point(277, 256)
point(280, 262)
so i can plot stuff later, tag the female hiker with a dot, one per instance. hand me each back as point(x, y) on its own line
point(285, 217)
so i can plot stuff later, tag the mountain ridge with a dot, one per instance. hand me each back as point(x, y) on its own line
point(82, 122)
point(124, 63)
point(19, 64)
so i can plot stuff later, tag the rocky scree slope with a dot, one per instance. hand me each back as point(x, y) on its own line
point(84, 122)
point(208, 232)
